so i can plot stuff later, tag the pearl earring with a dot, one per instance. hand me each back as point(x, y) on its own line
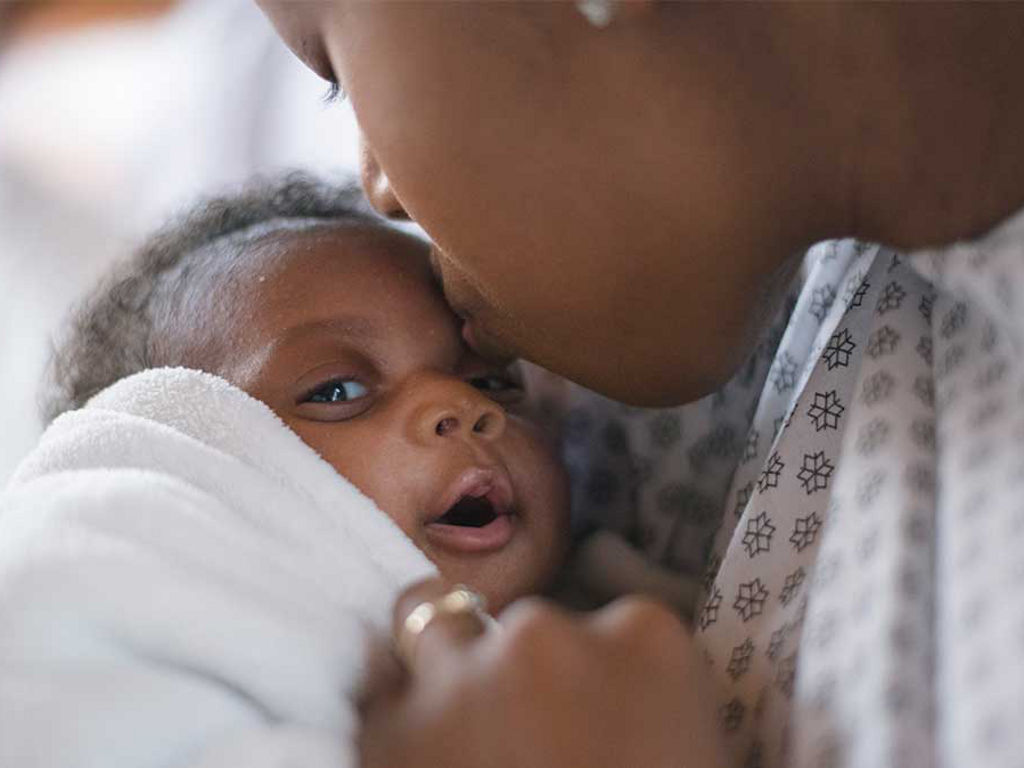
point(597, 12)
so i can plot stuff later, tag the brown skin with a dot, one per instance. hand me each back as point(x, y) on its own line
point(610, 698)
point(619, 205)
point(659, 173)
point(354, 314)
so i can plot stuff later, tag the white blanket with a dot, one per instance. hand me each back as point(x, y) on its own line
point(184, 582)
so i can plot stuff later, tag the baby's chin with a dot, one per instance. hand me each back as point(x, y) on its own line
point(504, 577)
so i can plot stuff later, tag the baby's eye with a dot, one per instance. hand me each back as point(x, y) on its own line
point(500, 387)
point(340, 391)
point(493, 383)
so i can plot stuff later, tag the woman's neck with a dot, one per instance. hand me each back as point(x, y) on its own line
point(933, 136)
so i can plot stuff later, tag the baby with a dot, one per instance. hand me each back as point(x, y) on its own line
point(272, 424)
point(297, 295)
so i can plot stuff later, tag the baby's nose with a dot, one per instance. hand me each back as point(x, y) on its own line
point(449, 408)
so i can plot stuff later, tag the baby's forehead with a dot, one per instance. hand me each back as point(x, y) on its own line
point(313, 269)
point(281, 244)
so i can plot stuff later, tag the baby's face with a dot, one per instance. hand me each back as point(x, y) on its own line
point(343, 333)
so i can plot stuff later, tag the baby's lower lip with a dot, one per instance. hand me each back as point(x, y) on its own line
point(487, 538)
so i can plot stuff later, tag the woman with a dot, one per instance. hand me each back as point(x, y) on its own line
point(660, 165)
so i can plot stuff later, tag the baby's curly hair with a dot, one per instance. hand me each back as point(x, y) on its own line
point(118, 329)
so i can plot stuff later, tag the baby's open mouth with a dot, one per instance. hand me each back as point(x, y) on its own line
point(478, 516)
point(470, 512)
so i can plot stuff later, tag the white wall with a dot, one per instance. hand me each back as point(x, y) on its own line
point(106, 130)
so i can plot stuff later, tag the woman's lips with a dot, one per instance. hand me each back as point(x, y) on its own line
point(485, 345)
point(469, 335)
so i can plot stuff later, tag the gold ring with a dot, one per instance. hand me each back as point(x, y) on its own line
point(460, 600)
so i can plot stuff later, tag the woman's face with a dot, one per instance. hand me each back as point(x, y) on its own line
point(596, 208)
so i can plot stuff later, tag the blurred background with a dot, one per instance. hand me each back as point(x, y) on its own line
point(113, 115)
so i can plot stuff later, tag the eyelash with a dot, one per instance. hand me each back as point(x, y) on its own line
point(334, 93)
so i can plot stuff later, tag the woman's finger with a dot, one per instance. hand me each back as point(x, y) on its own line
point(383, 677)
point(445, 635)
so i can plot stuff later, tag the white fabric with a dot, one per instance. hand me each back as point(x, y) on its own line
point(184, 582)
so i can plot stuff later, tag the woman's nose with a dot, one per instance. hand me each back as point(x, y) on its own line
point(376, 185)
point(448, 409)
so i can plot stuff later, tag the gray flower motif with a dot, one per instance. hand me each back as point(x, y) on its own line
point(822, 300)
point(877, 387)
point(868, 488)
point(920, 478)
point(924, 388)
point(922, 432)
point(758, 537)
point(805, 529)
point(719, 444)
point(742, 498)
point(739, 662)
point(858, 296)
point(732, 714)
point(872, 436)
point(851, 287)
point(954, 320)
point(791, 588)
point(815, 472)
point(709, 612)
point(952, 360)
point(838, 350)
point(785, 674)
point(882, 342)
point(750, 599)
point(924, 349)
point(769, 477)
point(826, 410)
point(992, 374)
point(775, 643)
point(711, 573)
point(665, 429)
point(925, 307)
point(783, 375)
point(750, 449)
point(891, 298)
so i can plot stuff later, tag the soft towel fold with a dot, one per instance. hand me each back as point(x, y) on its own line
point(184, 582)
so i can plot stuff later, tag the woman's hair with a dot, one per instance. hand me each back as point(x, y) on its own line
point(117, 330)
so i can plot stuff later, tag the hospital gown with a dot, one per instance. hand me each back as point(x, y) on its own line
point(860, 601)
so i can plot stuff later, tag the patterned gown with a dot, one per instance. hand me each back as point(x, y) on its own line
point(853, 502)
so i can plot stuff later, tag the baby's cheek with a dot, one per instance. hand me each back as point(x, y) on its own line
point(547, 483)
point(368, 463)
